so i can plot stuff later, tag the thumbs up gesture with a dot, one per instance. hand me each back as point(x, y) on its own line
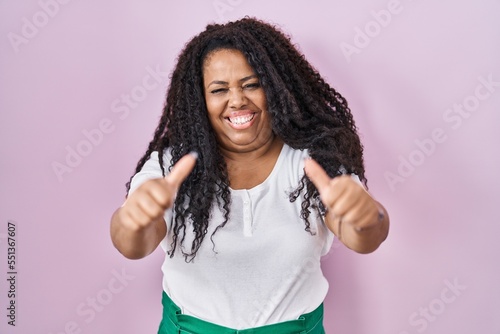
point(152, 198)
point(138, 226)
point(357, 219)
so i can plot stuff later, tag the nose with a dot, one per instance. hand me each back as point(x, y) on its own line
point(237, 99)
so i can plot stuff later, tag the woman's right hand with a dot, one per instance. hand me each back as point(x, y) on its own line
point(138, 226)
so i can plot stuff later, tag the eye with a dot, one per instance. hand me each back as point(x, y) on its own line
point(253, 85)
point(218, 90)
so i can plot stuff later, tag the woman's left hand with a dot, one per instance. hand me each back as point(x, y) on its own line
point(357, 219)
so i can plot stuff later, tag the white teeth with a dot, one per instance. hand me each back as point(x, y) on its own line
point(241, 119)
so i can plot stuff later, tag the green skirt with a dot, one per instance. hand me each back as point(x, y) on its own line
point(174, 322)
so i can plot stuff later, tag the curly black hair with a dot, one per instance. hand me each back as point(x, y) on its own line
point(306, 113)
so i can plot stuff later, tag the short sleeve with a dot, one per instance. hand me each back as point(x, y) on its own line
point(150, 170)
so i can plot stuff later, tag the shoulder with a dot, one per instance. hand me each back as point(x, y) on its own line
point(151, 169)
point(291, 155)
point(293, 160)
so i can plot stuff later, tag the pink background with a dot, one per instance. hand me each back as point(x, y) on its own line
point(64, 77)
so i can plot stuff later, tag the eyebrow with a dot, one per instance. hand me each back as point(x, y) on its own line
point(219, 82)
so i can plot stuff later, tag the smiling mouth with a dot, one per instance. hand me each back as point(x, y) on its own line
point(240, 120)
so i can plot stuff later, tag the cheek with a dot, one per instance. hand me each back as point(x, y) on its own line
point(261, 101)
point(214, 113)
point(262, 105)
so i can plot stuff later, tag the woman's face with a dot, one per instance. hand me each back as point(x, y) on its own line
point(236, 102)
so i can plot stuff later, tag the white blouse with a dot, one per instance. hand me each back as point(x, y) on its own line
point(264, 268)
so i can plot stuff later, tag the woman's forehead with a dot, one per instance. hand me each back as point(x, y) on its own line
point(226, 61)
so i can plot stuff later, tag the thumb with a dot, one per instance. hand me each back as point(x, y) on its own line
point(316, 174)
point(181, 169)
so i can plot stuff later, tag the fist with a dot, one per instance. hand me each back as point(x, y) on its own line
point(344, 198)
point(148, 203)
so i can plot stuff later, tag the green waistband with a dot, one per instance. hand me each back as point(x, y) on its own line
point(174, 322)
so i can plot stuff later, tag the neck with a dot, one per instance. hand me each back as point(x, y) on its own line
point(269, 149)
point(248, 169)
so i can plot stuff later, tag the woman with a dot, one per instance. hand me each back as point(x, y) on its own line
point(254, 167)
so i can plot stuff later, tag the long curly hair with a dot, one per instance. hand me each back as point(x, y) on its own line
point(306, 113)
